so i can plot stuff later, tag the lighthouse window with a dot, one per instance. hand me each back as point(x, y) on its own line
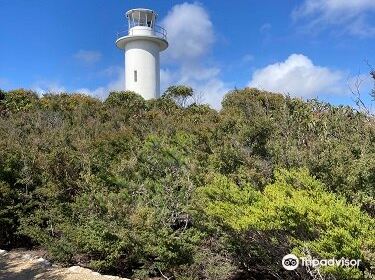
point(135, 75)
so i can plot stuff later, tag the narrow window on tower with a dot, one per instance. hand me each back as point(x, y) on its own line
point(135, 76)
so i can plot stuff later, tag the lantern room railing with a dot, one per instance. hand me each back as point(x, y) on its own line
point(157, 31)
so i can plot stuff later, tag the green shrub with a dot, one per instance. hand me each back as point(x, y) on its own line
point(113, 184)
point(298, 206)
point(20, 100)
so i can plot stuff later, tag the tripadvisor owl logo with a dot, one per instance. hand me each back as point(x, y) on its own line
point(290, 262)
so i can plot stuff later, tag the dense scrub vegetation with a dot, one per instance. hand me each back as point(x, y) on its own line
point(162, 188)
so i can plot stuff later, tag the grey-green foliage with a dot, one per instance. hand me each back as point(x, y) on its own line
point(112, 184)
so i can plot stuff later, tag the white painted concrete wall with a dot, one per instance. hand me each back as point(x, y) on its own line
point(142, 55)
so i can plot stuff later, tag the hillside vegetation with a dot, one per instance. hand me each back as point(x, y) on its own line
point(171, 189)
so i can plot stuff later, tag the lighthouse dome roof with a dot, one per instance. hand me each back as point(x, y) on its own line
point(143, 10)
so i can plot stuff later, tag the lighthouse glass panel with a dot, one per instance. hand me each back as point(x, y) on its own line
point(141, 18)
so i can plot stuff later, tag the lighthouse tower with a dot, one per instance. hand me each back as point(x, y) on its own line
point(142, 43)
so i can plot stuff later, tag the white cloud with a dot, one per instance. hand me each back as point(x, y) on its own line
point(115, 84)
point(298, 76)
point(212, 91)
point(190, 32)
point(167, 77)
point(44, 86)
point(205, 82)
point(88, 57)
point(191, 36)
point(351, 15)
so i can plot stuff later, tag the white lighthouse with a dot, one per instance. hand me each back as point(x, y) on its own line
point(142, 43)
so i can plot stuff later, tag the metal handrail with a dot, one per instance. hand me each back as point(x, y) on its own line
point(158, 31)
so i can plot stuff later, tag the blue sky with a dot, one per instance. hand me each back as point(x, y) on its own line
point(306, 48)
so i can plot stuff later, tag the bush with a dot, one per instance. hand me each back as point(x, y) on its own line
point(113, 184)
point(296, 206)
point(20, 100)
